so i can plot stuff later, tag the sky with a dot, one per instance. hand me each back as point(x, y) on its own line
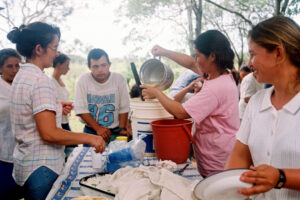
point(96, 27)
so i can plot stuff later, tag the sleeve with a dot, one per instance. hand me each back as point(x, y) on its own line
point(202, 104)
point(43, 96)
point(244, 130)
point(81, 104)
point(124, 97)
point(250, 87)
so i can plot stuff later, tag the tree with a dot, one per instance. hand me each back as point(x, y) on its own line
point(185, 15)
point(17, 12)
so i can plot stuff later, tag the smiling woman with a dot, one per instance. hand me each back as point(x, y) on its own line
point(270, 127)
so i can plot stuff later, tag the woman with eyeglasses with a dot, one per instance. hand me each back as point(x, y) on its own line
point(36, 113)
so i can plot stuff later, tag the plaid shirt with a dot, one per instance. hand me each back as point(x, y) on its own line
point(32, 93)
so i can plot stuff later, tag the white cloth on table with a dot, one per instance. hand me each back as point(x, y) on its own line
point(144, 183)
point(272, 137)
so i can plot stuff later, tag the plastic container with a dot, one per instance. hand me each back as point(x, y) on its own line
point(172, 139)
point(142, 114)
point(154, 72)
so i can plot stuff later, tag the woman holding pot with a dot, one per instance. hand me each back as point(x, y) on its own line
point(215, 108)
point(268, 139)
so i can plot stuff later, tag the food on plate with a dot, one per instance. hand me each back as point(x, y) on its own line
point(89, 198)
point(101, 182)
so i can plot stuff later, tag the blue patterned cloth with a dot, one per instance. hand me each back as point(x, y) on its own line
point(79, 165)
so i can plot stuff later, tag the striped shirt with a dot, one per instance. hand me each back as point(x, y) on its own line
point(32, 93)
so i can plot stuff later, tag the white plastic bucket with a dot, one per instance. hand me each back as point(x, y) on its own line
point(142, 113)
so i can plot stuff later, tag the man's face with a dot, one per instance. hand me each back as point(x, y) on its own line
point(100, 69)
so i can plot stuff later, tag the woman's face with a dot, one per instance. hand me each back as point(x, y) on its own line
point(203, 62)
point(64, 67)
point(50, 52)
point(264, 63)
point(10, 68)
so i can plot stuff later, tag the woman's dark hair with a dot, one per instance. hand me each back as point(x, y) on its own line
point(7, 53)
point(278, 31)
point(96, 54)
point(61, 58)
point(27, 37)
point(213, 41)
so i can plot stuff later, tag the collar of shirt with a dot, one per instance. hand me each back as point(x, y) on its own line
point(292, 106)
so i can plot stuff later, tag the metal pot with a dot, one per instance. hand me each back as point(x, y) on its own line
point(154, 72)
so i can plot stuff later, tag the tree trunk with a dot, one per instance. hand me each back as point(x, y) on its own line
point(190, 35)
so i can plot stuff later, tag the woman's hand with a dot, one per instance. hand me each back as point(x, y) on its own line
point(97, 142)
point(158, 51)
point(66, 107)
point(149, 92)
point(263, 178)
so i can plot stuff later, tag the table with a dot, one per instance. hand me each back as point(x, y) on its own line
point(79, 165)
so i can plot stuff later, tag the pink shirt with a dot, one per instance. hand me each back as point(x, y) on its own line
point(215, 113)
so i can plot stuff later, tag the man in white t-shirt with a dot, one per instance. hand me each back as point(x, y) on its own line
point(248, 88)
point(102, 100)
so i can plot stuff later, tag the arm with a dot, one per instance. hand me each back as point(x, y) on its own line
point(173, 107)
point(46, 125)
point(240, 157)
point(180, 58)
point(123, 120)
point(90, 121)
point(192, 86)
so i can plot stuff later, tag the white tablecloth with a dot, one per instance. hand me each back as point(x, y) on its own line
point(79, 165)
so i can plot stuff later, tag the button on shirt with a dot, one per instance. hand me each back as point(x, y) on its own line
point(32, 93)
point(273, 136)
point(7, 141)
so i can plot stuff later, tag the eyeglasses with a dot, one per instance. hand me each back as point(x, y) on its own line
point(54, 48)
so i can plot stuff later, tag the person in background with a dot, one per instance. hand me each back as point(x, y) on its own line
point(183, 81)
point(214, 108)
point(244, 71)
point(36, 113)
point(193, 88)
point(249, 86)
point(102, 99)
point(9, 66)
point(268, 139)
point(61, 67)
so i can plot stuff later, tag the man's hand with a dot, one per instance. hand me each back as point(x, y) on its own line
point(104, 133)
point(149, 92)
point(66, 107)
point(263, 178)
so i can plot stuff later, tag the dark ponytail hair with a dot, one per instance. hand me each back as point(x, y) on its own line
point(27, 37)
point(61, 58)
point(213, 41)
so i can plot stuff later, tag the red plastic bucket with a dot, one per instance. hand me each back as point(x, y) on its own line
point(172, 139)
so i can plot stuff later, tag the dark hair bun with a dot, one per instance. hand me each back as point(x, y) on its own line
point(14, 35)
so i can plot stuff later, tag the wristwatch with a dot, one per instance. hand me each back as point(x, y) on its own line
point(281, 180)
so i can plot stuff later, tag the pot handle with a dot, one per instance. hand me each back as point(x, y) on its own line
point(188, 132)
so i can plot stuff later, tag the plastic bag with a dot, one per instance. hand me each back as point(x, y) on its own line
point(122, 154)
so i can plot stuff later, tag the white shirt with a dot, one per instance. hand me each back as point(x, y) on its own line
point(248, 88)
point(62, 95)
point(32, 93)
point(104, 101)
point(273, 136)
point(7, 140)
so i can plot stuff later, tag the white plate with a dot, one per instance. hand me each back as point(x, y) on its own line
point(222, 186)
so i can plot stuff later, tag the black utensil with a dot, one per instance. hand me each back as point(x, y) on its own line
point(137, 79)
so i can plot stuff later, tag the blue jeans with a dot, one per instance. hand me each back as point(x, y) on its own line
point(39, 183)
point(8, 188)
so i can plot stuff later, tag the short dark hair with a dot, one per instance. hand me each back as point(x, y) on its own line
point(61, 58)
point(245, 68)
point(7, 53)
point(135, 91)
point(213, 41)
point(96, 54)
point(26, 37)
